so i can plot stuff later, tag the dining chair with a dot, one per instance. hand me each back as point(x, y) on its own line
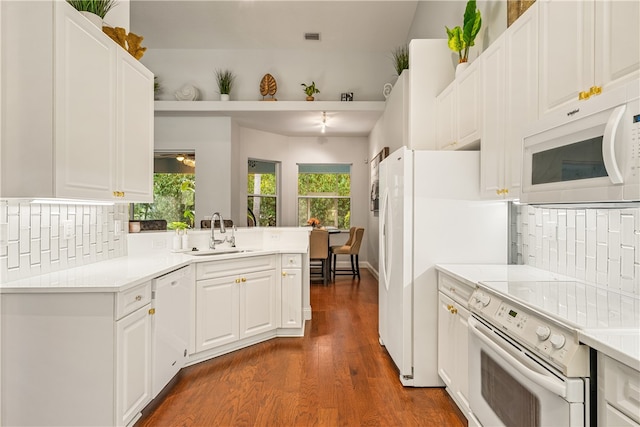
point(351, 248)
point(319, 254)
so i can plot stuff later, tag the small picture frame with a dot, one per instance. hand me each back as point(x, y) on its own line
point(375, 186)
point(346, 96)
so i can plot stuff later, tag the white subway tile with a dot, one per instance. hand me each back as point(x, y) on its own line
point(591, 243)
point(35, 252)
point(45, 238)
point(25, 239)
point(25, 265)
point(626, 262)
point(602, 226)
point(591, 270)
point(602, 257)
point(581, 228)
point(614, 245)
point(45, 261)
point(45, 216)
point(614, 219)
point(55, 249)
point(571, 265)
point(591, 220)
point(581, 256)
point(628, 285)
point(614, 273)
point(4, 211)
point(13, 255)
point(627, 229)
point(14, 228)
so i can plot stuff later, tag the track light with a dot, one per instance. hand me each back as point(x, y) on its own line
point(323, 127)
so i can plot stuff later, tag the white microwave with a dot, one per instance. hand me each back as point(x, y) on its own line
point(587, 153)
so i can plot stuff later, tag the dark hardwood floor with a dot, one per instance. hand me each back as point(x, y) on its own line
point(336, 375)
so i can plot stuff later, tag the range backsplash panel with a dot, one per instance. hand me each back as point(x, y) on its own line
point(32, 236)
point(600, 246)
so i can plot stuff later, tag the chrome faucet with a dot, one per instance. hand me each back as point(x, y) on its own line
point(232, 239)
point(213, 240)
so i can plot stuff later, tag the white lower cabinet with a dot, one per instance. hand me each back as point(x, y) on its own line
point(75, 359)
point(133, 364)
point(453, 335)
point(233, 302)
point(452, 349)
point(618, 394)
point(291, 292)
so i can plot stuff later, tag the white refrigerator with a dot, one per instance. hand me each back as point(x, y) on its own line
point(431, 212)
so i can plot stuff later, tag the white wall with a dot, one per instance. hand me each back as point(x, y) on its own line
point(210, 138)
point(293, 150)
point(432, 16)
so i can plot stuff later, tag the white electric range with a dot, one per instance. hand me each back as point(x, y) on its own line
point(527, 364)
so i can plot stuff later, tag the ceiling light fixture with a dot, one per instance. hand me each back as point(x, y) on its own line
point(324, 122)
point(180, 157)
point(187, 160)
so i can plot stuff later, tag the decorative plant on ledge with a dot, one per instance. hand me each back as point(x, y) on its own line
point(401, 59)
point(310, 90)
point(461, 39)
point(98, 7)
point(225, 79)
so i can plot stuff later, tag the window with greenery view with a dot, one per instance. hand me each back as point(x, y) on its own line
point(173, 191)
point(324, 192)
point(262, 193)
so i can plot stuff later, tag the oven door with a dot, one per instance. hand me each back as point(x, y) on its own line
point(509, 386)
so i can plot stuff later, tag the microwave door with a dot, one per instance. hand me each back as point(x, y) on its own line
point(609, 145)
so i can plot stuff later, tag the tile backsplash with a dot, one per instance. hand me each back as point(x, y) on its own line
point(32, 239)
point(600, 246)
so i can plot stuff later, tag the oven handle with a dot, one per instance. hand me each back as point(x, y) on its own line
point(549, 382)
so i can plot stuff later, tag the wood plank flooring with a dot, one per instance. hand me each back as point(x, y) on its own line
point(337, 375)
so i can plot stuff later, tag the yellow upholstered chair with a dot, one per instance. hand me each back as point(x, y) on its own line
point(351, 248)
point(319, 254)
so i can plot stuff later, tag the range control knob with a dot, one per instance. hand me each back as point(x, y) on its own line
point(484, 299)
point(557, 341)
point(543, 332)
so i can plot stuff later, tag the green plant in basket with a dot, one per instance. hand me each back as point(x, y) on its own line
point(461, 39)
point(99, 7)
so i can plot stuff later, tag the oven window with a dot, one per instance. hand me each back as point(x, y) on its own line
point(580, 160)
point(513, 403)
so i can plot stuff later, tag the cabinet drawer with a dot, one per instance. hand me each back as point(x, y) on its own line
point(207, 270)
point(291, 260)
point(622, 388)
point(132, 299)
point(460, 292)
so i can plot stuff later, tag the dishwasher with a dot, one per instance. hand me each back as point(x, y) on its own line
point(170, 299)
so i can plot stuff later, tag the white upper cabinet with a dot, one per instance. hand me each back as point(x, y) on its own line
point(469, 114)
point(458, 114)
point(81, 123)
point(509, 104)
point(586, 47)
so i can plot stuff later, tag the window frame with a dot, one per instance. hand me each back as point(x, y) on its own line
point(276, 196)
point(337, 197)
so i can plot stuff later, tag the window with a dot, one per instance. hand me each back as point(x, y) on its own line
point(262, 193)
point(174, 186)
point(324, 192)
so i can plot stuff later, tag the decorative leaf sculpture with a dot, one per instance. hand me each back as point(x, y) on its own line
point(129, 42)
point(268, 86)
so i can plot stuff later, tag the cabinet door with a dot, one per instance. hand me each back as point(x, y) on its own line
point(258, 303)
point(493, 124)
point(133, 366)
point(134, 148)
point(217, 312)
point(446, 341)
point(291, 306)
point(617, 56)
point(521, 93)
point(566, 51)
point(85, 106)
point(461, 338)
point(468, 105)
point(445, 118)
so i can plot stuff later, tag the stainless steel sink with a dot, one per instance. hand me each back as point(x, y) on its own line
point(213, 252)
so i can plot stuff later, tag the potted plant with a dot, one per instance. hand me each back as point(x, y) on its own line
point(401, 59)
point(310, 90)
point(461, 39)
point(225, 79)
point(91, 8)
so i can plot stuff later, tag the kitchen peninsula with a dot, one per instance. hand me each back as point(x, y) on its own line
point(78, 344)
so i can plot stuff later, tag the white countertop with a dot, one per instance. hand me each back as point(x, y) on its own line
point(116, 274)
point(622, 344)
